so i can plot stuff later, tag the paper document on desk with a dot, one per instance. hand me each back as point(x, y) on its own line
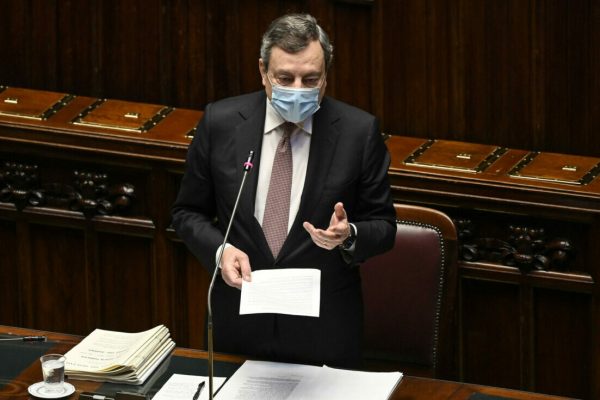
point(120, 357)
point(293, 291)
point(181, 386)
point(271, 380)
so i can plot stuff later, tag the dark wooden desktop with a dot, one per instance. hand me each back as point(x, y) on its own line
point(412, 388)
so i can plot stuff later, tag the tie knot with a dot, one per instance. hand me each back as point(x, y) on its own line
point(288, 128)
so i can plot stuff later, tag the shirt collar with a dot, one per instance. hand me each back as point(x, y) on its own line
point(273, 120)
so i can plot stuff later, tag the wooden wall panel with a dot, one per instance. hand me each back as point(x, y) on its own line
point(15, 28)
point(403, 100)
point(57, 279)
point(182, 62)
point(222, 34)
point(515, 73)
point(77, 60)
point(563, 329)
point(350, 83)
point(125, 267)
point(495, 343)
point(191, 287)
point(592, 110)
point(129, 51)
point(10, 293)
point(503, 72)
point(567, 34)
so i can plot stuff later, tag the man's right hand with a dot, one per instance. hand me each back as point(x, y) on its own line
point(235, 266)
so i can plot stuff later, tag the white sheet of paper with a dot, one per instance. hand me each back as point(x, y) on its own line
point(336, 383)
point(272, 380)
point(293, 291)
point(181, 387)
point(266, 380)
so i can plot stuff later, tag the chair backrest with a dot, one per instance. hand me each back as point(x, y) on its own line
point(409, 294)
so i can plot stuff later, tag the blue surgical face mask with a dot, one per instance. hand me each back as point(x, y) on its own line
point(295, 104)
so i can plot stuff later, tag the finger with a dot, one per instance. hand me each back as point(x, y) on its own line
point(340, 212)
point(312, 231)
point(232, 277)
point(310, 228)
point(245, 269)
point(332, 234)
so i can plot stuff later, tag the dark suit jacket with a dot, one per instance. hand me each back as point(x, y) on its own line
point(348, 162)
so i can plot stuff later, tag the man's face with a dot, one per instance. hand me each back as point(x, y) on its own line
point(295, 70)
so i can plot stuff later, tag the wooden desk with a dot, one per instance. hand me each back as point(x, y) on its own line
point(15, 387)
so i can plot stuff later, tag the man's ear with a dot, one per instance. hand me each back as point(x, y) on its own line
point(263, 73)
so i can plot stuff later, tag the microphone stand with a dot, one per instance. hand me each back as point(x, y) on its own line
point(247, 167)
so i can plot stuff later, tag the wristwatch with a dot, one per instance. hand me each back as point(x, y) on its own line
point(349, 242)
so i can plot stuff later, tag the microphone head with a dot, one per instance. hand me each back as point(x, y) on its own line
point(248, 164)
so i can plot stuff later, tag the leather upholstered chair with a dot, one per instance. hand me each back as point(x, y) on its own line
point(409, 295)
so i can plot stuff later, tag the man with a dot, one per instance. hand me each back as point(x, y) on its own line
point(338, 211)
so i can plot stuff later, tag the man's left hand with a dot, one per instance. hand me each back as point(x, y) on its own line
point(335, 234)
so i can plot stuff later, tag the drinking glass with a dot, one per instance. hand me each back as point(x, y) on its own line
point(53, 370)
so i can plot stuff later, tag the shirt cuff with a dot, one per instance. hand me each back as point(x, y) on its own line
point(217, 253)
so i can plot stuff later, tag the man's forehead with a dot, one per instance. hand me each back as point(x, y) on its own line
point(310, 55)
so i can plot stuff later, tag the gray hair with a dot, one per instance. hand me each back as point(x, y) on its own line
point(292, 33)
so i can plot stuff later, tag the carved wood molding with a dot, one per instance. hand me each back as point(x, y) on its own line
point(90, 193)
point(526, 248)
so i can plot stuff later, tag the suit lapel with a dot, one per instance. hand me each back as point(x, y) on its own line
point(322, 147)
point(249, 136)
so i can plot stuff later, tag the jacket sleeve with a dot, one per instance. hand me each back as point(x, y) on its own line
point(194, 211)
point(375, 217)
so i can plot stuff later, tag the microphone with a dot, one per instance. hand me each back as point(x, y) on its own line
point(247, 167)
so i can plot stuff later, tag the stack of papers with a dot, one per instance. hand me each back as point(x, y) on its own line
point(120, 357)
point(271, 380)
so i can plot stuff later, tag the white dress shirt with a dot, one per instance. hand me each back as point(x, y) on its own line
point(300, 141)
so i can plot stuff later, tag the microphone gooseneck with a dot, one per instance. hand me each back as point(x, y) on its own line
point(247, 167)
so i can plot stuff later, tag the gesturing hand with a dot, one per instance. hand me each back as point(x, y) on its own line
point(335, 234)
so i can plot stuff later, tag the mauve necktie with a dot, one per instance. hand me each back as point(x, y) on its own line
point(277, 207)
